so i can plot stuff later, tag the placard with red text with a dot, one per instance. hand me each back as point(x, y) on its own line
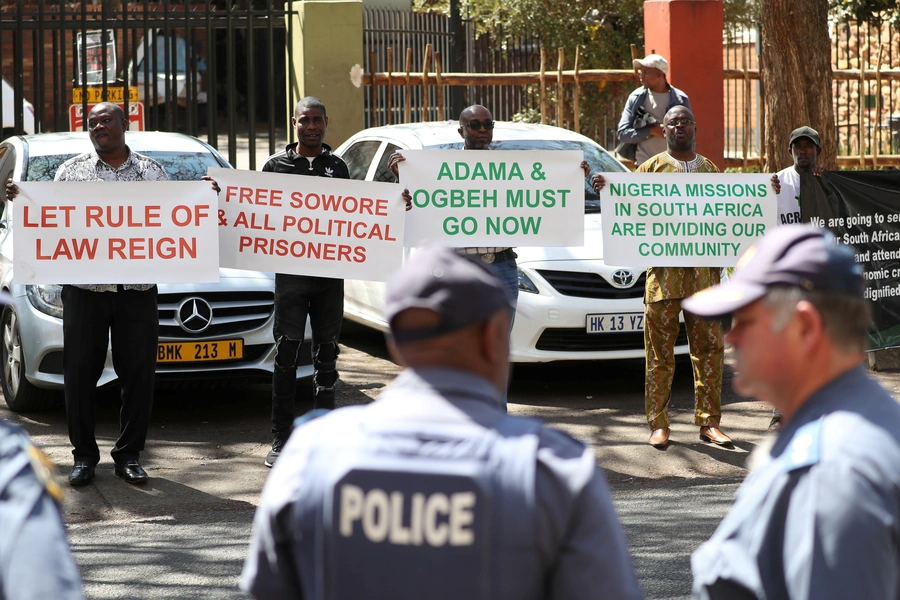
point(115, 232)
point(301, 225)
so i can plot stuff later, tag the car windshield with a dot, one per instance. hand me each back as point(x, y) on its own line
point(180, 166)
point(596, 157)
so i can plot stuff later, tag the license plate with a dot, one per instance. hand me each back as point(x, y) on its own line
point(615, 323)
point(173, 352)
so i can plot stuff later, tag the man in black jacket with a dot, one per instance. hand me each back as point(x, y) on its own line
point(299, 296)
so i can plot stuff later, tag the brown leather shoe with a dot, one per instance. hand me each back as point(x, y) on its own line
point(660, 437)
point(714, 435)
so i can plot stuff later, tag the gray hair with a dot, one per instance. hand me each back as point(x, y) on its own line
point(845, 318)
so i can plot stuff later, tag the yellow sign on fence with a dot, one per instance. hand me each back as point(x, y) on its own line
point(113, 94)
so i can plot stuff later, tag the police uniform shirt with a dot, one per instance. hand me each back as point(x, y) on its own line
point(569, 544)
point(789, 196)
point(820, 518)
point(35, 560)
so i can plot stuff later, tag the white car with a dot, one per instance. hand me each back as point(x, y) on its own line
point(206, 331)
point(572, 305)
point(9, 114)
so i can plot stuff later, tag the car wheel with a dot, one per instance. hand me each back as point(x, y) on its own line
point(20, 394)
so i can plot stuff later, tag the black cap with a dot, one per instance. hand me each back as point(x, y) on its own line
point(807, 132)
point(791, 255)
point(461, 291)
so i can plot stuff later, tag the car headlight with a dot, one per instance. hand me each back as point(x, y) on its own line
point(46, 298)
point(525, 284)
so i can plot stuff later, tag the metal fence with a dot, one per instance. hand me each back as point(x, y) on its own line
point(867, 102)
point(210, 69)
point(395, 41)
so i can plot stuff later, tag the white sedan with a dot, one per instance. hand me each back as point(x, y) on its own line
point(572, 305)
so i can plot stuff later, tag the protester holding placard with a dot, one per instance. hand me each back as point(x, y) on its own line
point(95, 315)
point(665, 288)
point(476, 127)
point(299, 296)
point(804, 146)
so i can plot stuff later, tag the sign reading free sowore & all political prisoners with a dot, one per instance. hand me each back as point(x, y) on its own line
point(316, 226)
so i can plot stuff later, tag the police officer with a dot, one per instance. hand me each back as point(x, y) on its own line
point(35, 560)
point(819, 514)
point(433, 491)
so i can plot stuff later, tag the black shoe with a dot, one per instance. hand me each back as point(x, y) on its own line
point(131, 472)
point(272, 456)
point(82, 473)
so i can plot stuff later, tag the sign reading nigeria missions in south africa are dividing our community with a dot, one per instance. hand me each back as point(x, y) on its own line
point(494, 198)
point(684, 219)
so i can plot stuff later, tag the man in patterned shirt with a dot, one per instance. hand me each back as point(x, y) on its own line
point(665, 288)
point(476, 127)
point(94, 315)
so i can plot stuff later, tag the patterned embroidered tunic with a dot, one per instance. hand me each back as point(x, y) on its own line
point(671, 283)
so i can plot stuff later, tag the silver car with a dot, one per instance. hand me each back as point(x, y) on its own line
point(212, 330)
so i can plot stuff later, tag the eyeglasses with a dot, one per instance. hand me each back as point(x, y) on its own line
point(476, 125)
point(680, 123)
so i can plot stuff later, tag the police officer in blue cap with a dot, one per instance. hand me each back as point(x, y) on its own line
point(433, 491)
point(819, 514)
point(35, 560)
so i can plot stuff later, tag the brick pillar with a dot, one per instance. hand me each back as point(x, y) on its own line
point(328, 47)
point(688, 33)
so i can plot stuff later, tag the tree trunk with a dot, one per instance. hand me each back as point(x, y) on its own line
point(796, 77)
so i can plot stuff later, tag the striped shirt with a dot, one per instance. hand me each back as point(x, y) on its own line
point(90, 167)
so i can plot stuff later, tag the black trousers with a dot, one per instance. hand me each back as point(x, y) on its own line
point(90, 320)
point(296, 297)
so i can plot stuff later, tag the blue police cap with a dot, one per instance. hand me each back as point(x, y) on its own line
point(791, 255)
point(461, 291)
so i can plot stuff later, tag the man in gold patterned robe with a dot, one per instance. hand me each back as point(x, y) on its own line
point(665, 289)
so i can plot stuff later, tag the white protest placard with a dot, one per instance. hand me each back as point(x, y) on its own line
point(301, 225)
point(91, 232)
point(684, 219)
point(494, 198)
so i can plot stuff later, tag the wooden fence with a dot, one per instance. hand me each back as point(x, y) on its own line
point(870, 140)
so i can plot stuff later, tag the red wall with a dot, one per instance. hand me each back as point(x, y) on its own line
point(688, 33)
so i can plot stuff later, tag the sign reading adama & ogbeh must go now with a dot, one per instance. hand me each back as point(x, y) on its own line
point(494, 198)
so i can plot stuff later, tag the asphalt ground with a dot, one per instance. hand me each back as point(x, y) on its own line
point(185, 534)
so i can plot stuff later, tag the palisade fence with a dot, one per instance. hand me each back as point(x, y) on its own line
point(516, 78)
point(213, 69)
point(226, 66)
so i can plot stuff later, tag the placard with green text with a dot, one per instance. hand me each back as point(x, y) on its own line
point(684, 219)
point(494, 198)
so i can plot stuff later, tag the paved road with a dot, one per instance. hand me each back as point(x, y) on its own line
point(184, 535)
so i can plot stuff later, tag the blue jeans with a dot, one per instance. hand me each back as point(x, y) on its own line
point(508, 273)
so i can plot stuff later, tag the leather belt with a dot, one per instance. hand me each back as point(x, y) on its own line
point(492, 257)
